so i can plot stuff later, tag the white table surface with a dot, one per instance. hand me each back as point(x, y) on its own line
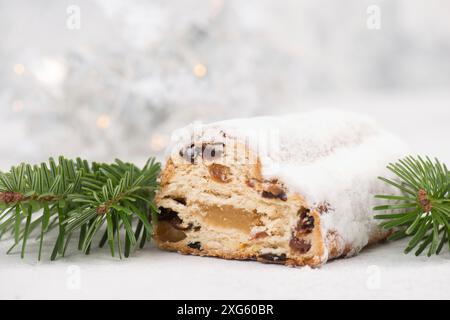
point(379, 272)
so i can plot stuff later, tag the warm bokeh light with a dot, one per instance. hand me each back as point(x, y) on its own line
point(19, 69)
point(50, 71)
point(200, 70)
point(158, 142)
point(103, 122)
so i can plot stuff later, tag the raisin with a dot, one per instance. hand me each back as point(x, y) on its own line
point(172, 217)
point(274, 258)
point(166, 214)
point(195, 245)
point(219, 173)
point(303, 210)
point(274, 191)
point(306, 222)
point(270, 195)
point(300, 245)
point(180, 200)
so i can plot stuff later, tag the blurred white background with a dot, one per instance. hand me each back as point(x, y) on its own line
point(107, 78)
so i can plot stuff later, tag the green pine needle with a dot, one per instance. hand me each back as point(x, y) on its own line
point(79, 199)
point(422, 212)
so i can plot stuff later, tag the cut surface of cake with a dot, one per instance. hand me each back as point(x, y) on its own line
point(295, 190)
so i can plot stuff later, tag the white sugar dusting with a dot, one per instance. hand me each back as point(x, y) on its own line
point(325, 155)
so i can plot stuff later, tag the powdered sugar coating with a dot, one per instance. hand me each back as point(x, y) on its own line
point(326, 156)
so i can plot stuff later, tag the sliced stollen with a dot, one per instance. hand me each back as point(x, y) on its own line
point(295, 190)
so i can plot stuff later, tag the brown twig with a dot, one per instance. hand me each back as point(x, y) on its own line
point(424, 201)
point(11, 197)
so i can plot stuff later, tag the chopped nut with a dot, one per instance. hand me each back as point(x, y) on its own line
point(220, 173)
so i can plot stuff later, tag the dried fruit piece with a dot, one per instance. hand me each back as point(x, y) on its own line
point(274, 191)
point(220, 173)
point(180, 200)
point(300, 245)
point(303, 210)
point(195, 245)
point(305, 224)
point(270, 195)
point(273, 258)
point(229, 217)
point(166, 214)
point(172, 217)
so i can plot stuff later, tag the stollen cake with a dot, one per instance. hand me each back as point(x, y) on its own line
point(295, 189)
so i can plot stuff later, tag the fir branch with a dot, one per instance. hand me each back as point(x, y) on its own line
point(423, 210)
point(78, 199)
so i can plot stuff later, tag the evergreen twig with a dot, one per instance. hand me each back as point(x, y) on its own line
point(422, 212)
point(78, 199)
